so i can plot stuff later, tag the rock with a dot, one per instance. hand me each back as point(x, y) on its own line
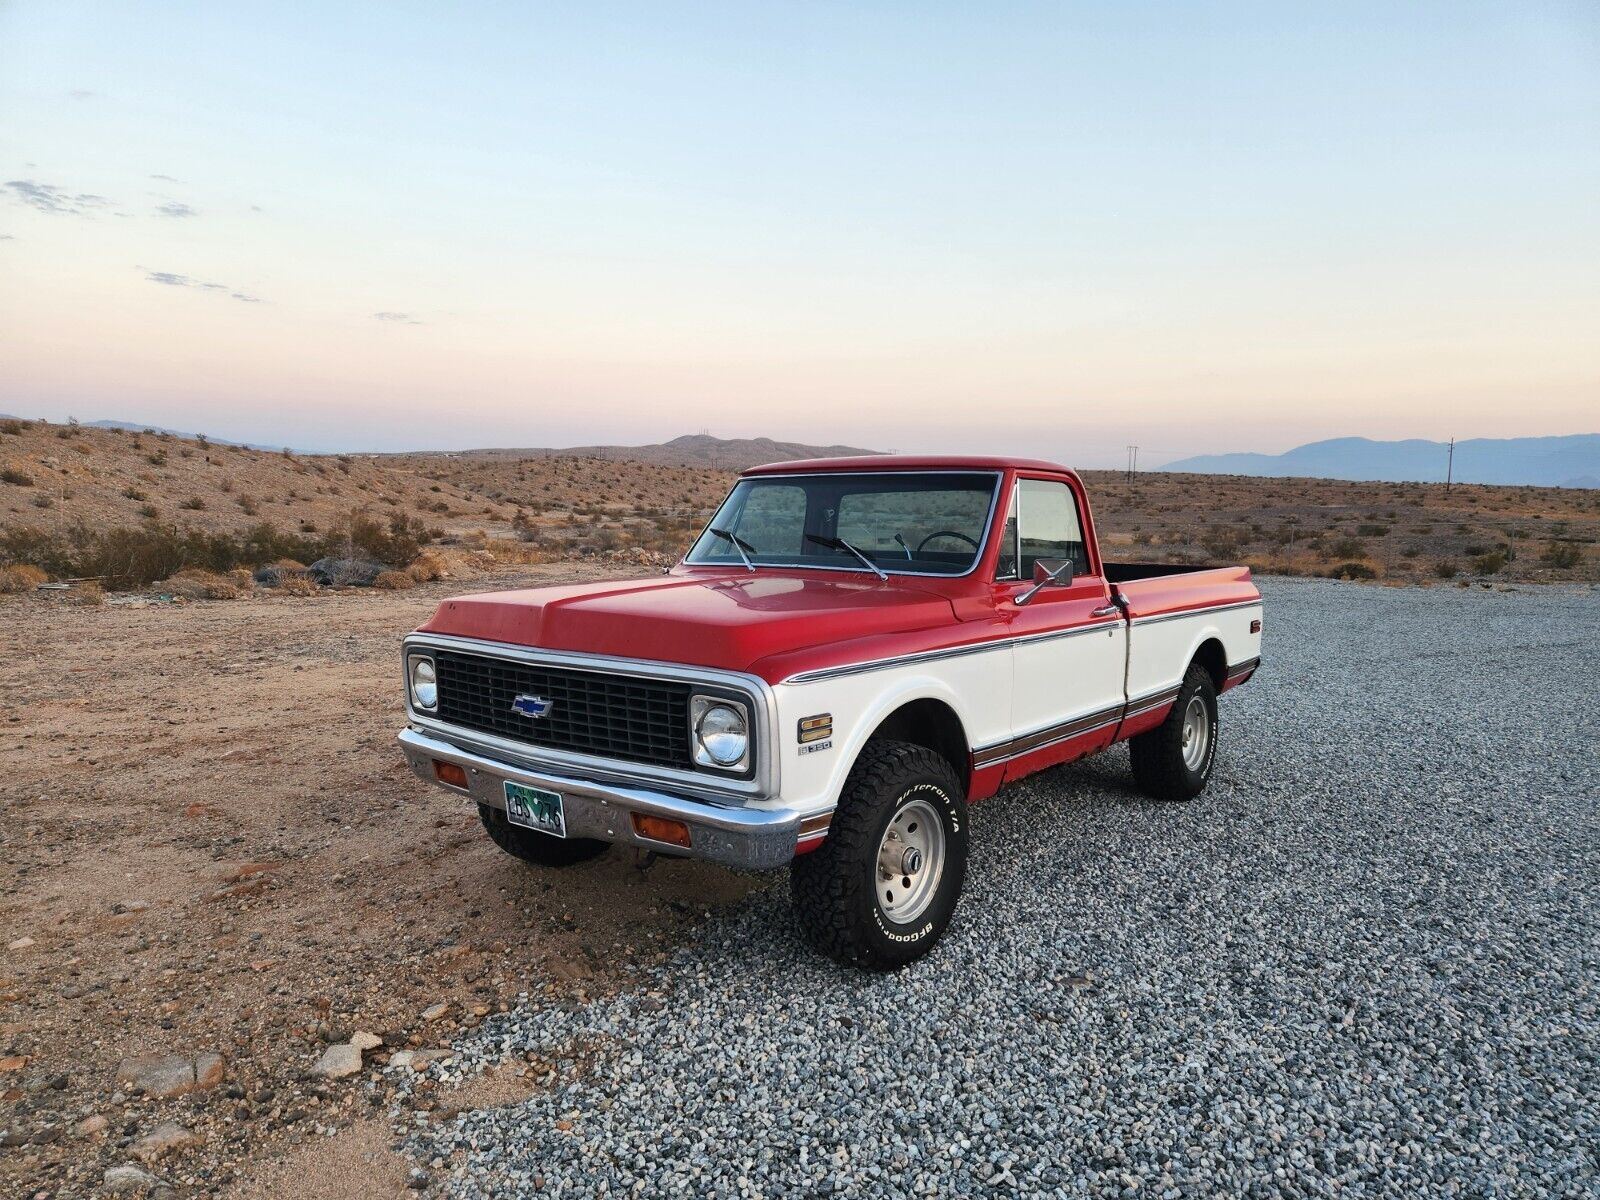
point(401, 1058)
point(22, 943)
point(421, 1060)
point(130, 906)
point(163, 1139)
point(167, 1075)
point(126, 1179)
point(13, 1062)
point(208, 1071)
point(13, 1137)
point(338, 1061)
point(365, 1041)
point(434, 1011)
point(91, 1125)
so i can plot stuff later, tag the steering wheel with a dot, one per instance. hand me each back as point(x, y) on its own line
point(947, 533)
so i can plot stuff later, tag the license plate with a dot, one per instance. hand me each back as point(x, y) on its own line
point(535, 808)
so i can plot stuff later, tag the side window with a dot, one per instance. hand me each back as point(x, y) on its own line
point(1049, 526)
point(1006, 567)
point(772, 519)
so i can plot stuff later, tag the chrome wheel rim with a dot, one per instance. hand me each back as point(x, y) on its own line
point(1196, 733)
point(910, 862)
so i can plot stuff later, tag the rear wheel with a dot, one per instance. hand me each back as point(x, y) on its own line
point(538, 848)
point(880, 891)
point(1173, 761)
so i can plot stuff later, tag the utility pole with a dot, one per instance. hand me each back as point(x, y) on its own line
point(1450, 466)
point(1133, 461)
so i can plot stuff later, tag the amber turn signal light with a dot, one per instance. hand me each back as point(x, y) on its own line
point(450, 773)
point(661, 829)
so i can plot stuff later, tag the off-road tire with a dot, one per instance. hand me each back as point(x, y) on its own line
point(1158, 756)
point(834, 887)
point(541, 849)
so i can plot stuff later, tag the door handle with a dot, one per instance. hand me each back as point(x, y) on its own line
point(1107, 611)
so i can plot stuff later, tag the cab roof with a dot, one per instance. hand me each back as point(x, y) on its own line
point(909, 462)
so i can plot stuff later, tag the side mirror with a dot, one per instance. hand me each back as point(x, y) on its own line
point(1047, 572)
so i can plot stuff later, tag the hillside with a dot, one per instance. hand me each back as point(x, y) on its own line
point(690, 450)
point(1572, 461)
point(54, 478)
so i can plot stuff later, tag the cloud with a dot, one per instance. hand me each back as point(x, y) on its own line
point(398, 318)
point(82, 94)
point(50, 199)
point(172, 279)
point(8, 237)
point(165, 178)
point(175, 209)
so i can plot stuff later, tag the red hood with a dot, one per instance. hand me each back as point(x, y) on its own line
point(730, 622)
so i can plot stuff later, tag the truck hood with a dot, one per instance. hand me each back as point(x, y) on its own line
point(730, 622)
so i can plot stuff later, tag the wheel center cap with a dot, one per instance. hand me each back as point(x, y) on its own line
point(911, 861)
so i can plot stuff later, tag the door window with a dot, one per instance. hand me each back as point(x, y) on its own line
point(1043, 524)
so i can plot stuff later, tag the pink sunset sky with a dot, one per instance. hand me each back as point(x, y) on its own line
point(1059, 229)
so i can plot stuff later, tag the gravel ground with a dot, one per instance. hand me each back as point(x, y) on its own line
point(1364, 963)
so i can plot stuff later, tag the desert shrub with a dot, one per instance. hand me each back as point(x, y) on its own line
point(149, 512)
point(156, 458)
point(1561, 555)
point(298, 585)
point(132, 493)
point(136, 556)
point(1347, 548)
point(44, 500)
point(89, 594)
point(396, 541)
point(428, 566)
point(1352, 570)
point(248, 505)
point(1489, 564)
point(21, 577)
point(194, 504)
point(15, 428)
point(394, 581)
point(1445, 569)
point(1372, 530)
point(16, 478)
point(195, 583)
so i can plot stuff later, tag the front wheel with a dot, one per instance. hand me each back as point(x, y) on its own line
point(880, 891)
point(541, 849)
point(1173, 761)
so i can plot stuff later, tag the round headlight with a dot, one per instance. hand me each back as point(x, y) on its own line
point(424, 683)
point(723, 734)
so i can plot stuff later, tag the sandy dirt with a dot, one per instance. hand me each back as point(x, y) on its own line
point(211, 843)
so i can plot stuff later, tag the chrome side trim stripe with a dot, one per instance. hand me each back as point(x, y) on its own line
point(1244, 668)
point(922, 656)
point(1000, 752)
point(906, 660)
point(1157, 618)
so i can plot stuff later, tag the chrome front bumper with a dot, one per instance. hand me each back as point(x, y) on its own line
point(736, 837)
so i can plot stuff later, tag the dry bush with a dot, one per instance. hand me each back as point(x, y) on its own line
point(429, 565)
point(89, 594)
point(394, 581)
point(194, 583)
point(21, 577)
point(298, 585)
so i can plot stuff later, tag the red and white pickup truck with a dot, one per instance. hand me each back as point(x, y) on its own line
point(852, 651)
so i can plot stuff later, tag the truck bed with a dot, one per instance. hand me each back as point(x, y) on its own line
point(1154, 589)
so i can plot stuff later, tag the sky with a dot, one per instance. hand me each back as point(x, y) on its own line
point(1053, 229)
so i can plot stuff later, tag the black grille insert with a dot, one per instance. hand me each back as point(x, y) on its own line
point(610, 716)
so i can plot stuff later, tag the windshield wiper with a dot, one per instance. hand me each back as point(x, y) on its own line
point(739, 544)
point(838, 543)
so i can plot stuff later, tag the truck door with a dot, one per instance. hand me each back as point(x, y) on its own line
point(1069, 643)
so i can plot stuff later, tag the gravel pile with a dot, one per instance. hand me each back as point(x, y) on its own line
point(1365, 963)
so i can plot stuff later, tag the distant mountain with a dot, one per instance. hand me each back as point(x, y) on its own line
point(691, 450)
point(135, 427)
point(1571, 461)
